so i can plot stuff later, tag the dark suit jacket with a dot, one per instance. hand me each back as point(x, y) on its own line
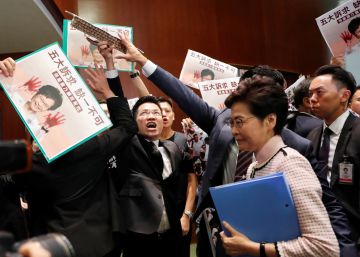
point(73, 195)
point(302, 123)
point(348, 144)
point(142, 189)
point(213, 122)
point(11, 216)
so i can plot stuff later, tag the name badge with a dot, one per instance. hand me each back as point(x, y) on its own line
point(346, 173)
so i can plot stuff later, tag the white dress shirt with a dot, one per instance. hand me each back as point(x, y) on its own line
point(149, 68)
point(336, 127)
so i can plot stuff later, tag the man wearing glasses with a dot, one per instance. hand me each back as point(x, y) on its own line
point(147, 186)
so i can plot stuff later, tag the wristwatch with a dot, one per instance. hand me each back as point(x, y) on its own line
point(135, 74)
point(189, 214)
point(262, 249)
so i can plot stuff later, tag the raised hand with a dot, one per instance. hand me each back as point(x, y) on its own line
point(187, 125)
point(105, 49)
point(97, 82)
point(338, 60)
point(32, 85)
point(132, 53)
point(53, 120)
point(7, 67)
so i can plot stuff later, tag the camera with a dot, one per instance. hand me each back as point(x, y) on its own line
point(56, 244)
point(15, 156)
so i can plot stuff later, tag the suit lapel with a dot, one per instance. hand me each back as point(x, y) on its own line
point(171, 149)
point(316, 138)
point(340, 147)
point(142, 150)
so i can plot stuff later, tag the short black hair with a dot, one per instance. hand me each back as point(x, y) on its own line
point(354, 25)
point(300, 92)
point(264, 70)
point(52, 93)
point(143, 100)
point(207, 72)
point(264, 96)
point(341, 76)
point(162, 99)
point(356, 89)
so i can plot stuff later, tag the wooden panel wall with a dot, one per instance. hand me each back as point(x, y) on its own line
point(280, 33)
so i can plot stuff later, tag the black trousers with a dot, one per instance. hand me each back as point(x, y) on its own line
point(185, 243)
point(157, 244)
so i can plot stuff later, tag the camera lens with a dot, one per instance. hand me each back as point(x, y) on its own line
point(57, 244)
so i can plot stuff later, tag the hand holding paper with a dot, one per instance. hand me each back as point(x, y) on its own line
point(237, 243)
point(106, 51)
point(7, 67)
point(132, 53)
point(98, 83)
point(338, 60)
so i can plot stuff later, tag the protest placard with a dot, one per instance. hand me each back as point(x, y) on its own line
point(340, 28)
point(54, 102)
point(83, 54)
point(198, 67)
point(214, 92)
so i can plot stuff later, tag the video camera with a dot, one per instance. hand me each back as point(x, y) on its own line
point(15, 156)
point(56, 244)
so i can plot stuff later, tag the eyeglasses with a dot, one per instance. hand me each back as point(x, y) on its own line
point(238, 122)
point(147, 113)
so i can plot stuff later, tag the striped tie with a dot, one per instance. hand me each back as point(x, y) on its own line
point(243, 162)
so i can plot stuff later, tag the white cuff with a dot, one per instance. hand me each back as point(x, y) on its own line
point(149, 68)
point(111, 74)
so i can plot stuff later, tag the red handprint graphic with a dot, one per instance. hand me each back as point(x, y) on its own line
point(32, 84)
point(221, 106)
point(196, 75)
point(53, 120)
point(347, 37)
point(85, 51)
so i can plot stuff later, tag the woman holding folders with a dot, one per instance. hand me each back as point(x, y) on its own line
point(258, 114)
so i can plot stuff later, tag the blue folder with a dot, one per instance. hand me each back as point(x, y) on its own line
point(261, 208)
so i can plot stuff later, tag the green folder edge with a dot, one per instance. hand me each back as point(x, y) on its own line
point(65, 41)
point(26, 125)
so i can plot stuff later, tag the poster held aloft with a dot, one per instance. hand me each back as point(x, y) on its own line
point(198, 67)
point(81, 36)
point(214, 92)
point(340, 28)
point(53, 101)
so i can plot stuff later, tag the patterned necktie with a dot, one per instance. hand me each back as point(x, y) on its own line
point(244, 160)
point(325, 147)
